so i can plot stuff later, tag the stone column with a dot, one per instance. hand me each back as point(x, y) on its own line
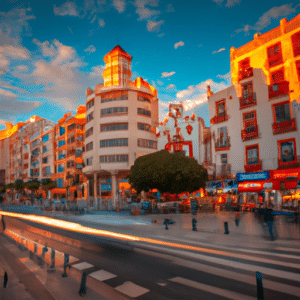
point(95, 191)
point(114, 187)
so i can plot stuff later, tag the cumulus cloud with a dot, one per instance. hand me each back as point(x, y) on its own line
point(119, 5)
point(66, 9)
point(159, 82)
point(226, 76)
point(22, 68)
point(47, 49)
point(101, 23)
point(167, 74)
point(229, 3)
point(90, 49)
point(275, 13)
point(154, 26)
point(97, 71)
point(218, 51)
point(179, 44)
point(146, 12)
point(170, 86)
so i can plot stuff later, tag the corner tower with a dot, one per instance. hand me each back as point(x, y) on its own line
point(117, 68)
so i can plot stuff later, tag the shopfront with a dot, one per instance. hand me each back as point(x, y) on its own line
point(252, 182)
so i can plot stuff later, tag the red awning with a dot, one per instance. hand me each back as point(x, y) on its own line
point(251, 186)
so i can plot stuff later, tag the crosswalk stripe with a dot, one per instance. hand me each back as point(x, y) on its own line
point(211, 289)
point(82, 266)
point(102, 275)
point(288, 249)
point(132, 290)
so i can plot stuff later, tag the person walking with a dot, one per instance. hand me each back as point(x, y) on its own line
point(5, 280)
point(269, 218)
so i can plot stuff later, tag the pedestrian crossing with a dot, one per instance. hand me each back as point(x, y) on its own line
point(218, 272)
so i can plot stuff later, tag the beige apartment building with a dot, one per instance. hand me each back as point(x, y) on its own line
point(120, 117)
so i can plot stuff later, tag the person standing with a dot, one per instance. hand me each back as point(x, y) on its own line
point(269, 218)
point(5, 280)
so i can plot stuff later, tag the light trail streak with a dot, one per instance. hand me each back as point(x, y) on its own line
point(83, 229)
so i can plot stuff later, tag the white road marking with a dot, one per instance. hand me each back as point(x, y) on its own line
point(132, 290)
point(161, 284)
point(102, 275)
point(212, 289)
point(82, 266)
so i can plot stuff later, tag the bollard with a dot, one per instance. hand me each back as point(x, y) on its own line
point(194, 221)
point(52, 262)
point(166, 222)
point(260, 289)
point(82, 290)
point(226, 228)
point(66, 265)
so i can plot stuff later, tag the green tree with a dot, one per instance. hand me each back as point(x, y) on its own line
point(171, 173)
point(32, 185)
point(48, 184)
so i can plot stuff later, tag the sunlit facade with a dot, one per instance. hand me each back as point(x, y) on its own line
point(255, 122)
point(120, 116)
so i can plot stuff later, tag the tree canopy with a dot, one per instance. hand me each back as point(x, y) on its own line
point(171, 173)
point(19, 184)
point(33, 185)
point(48, 184)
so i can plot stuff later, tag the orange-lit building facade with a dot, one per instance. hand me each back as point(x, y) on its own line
point(255, 122)
point(120, 116)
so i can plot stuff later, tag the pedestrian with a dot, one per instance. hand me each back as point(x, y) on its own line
point(5, 280)
point(269, 218)
point(194, 222)
point(237, 218)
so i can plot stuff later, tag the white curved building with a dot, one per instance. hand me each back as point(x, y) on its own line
point(120, 115)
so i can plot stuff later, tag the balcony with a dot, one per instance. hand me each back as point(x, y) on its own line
point(245, 73)
point(275, 60)
point(219, 119)
point(223, 171)
point(285, 126)
point(278, 89)
point(223, 144)
point(253, 166)
point(250, 100)
point(250, 133)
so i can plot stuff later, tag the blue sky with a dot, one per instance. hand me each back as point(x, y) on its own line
point(51, 52)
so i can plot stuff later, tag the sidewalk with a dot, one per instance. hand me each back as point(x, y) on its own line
point(28, 281)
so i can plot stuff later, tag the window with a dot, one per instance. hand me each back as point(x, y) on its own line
point(47, 170)
point(89, 161)
point(282, 112)
point(114, 158)
point(61, 154)
point(90, 104)
point(113, 127)
point(221, 108)
point(249, 122)
point(224, 159)
point(25, 166)
point(144, 98)
point(45, 160)
point(252, 155)
point(142, 126)
point(89, 132)
point(247, 90)
point(298, 69)
point(287, 151)
point(81, 127)
point(62, 130)
point(144, 112)
point(79, 138)
point(222, 133)
point(89, 146)
point(90, 117)
point(114, 110)
point(26, 155)
point(147, 143)
point(114, 96)
point(296, 43)
point(277, 76)
point(249, 116)
point(60, 168)
point(35, 152)
point(45, 149)
point(59, 182)
point(113, 143)
point(45, 138)
point(71, 127)
point(274, 55)
point(71, 140)
point(61, 143)
point(70, 164)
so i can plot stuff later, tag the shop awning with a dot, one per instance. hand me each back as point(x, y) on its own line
point(59, 191)
point(251, 186)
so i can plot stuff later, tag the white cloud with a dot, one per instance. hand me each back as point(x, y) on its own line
point(225, 76)
point(184, 93)
point(66, 9)
point(159, 82)
point(160, 35)
point(22, 68)
point(119, 5)
point(154, 26)
point(170, 8)
point(145, 12)
point(48, 49)
point(101, 23)
point(90, 49)
point(171, 86)
point(218, 51)
point(275, 13)
point(15, 52)
point(181, 43)
point(97, 71)
point(231, 3)
point(167, 74)
point(7, 93)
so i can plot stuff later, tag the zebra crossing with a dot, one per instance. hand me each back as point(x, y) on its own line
point(231, 272)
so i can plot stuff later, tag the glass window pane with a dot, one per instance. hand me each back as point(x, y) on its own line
point(287, 111)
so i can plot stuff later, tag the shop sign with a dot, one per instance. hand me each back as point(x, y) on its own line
point(285, 175)
point(105, 187)
point(268, 185)
point(213, 184)
point(253, 176)
point(249, 185)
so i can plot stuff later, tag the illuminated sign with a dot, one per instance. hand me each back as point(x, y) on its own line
point(285, 175)
point(250, 185)
point(253, 176)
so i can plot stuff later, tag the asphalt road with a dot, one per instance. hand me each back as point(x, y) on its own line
point(210, 274)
